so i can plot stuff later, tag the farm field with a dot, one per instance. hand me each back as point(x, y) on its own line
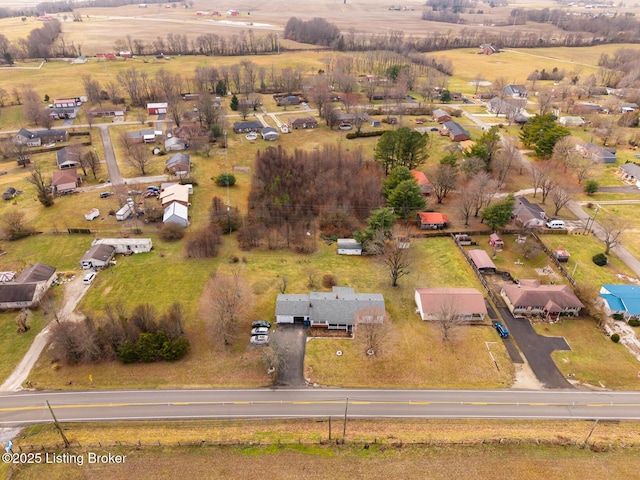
point(482, 462)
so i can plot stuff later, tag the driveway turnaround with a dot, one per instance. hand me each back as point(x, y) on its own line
point(537, 350)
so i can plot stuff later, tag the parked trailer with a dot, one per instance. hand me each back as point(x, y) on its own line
point(124, 213)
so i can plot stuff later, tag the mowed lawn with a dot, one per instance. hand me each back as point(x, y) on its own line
point(414, 355)
point(582, 248)
point(594, 359)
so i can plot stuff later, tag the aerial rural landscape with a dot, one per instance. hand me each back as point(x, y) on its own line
point(266, 240)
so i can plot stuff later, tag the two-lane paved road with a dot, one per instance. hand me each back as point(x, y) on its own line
point(28, 408)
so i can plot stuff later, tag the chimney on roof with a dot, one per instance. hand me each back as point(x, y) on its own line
point(336, 296)
point(310, 304)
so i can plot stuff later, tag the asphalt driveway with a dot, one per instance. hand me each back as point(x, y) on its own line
point(537, 350)
point(291, 341)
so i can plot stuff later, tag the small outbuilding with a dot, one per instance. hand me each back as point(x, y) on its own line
point(349, 246)
point(432, 220)
point(495, 241)
point(176, 213)
point(481, 260)
point(561, 254)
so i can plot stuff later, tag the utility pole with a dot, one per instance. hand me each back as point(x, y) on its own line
point(344, 424)
point(57, 425)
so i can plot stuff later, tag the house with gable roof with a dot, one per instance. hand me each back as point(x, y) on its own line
point(28, 288)
point(467, 304)
point(335, 310)
point(530, 297)
point(527, 214)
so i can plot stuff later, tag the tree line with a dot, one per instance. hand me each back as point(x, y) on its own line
point(580, 32)
point(38, 44)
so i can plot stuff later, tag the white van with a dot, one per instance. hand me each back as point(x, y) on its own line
point(88, 278)
point(554, 223)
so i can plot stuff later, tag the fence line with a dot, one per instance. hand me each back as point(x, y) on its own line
point(477, 272)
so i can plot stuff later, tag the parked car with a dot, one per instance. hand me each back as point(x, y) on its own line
point(134, 192)
point(501, 329)
point(260, 331)
point(261, 323)
point(259, 340)
point(153, 188)
point(105, 194)
point(89, 278)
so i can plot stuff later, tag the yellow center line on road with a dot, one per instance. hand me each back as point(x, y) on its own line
point(317, 402)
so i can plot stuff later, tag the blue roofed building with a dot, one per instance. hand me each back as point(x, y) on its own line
point(621, 299)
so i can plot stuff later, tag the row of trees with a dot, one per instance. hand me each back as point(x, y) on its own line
point(137, 336)
point(38, 44)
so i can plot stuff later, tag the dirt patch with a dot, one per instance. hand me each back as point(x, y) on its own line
point(525, 379)
point(107, 290)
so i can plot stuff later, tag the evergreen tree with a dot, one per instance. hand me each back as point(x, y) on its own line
point(234, 103)
point(406, 199)
point(499, 214)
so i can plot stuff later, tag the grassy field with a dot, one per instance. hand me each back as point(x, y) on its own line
point(407, 449)
point(139, 277)
point(581, 249)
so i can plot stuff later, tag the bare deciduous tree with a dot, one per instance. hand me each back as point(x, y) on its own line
point(372, 328)
point(51, 305)
point(139, 157)
point(42, 184)
point(444, 180)
point(90, 160)
point(505, 158)
point(394, 256)
point(612, 230)
point(14, 225)
point(227, 300)
point(560, 197)
point(447, 318)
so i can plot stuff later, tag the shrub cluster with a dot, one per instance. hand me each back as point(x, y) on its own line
point(139, 336)
point(599, 259)
point(375, 133)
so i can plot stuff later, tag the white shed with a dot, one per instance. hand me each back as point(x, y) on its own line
point(349, 246)
point(176, 213)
